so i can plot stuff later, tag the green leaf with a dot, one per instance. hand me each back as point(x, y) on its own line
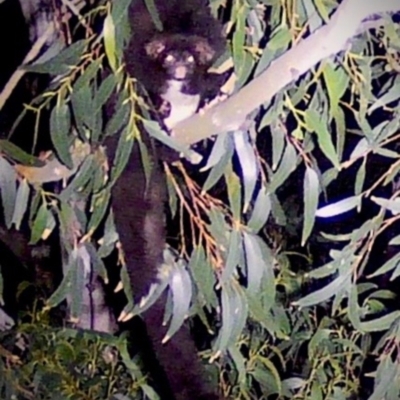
point(360, 177)
point(395, 241)
point(219, 169)
point(103, 94)
point(261, 211)
point(62, 62)
point(8, 190)
point(118, 120)
point(82, 107)
point(278, 144)
point(64, 288)
point(78, 265)
point(97, 263)
point(354, 310)
point(60, 125)
point(181, 288)
point(151, 6)
point(311, 195)
point(234, 315)
point(317, 125)
point(232, 256)
point(337, 82)
point(123, 152)
point(280, 38)
point(89, 74)
point(325, 293)
point(380, 324)
point(248, 164)
point(204, 276)
point(391, 205)
point(234, 192)
point(43, 224)
point(99, 205)
point(390, 96)
point(109, 41)
point(340, 207)
point(18, 155)
point(258, 261)
point(286, 167)
point(240, 363)
point(392, 263)
point(81, 178)
point(21, 203)
point(220, 147)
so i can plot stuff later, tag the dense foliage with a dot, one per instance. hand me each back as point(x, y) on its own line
point(286, 238)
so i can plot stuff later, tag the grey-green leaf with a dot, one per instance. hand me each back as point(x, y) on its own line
point(60, 125)
point(311, 195)
point(21, 203)
point(8, 190)
point(181, 288)
point(339, 207)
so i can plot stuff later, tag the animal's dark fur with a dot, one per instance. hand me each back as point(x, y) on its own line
point(187, 25)
point(139, 206)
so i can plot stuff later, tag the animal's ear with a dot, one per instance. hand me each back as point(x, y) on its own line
point(204, 51)
point(154, 48)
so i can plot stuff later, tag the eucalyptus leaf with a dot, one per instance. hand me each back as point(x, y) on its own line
point(323, 294)
point(218, 150)
point(311, 195)
point(78, 264)
point(109, 41)
point(62, 62)
point(204, 276)
point(315, 124)
point(392, 205)
point(181, 288)
point(60, 125)
point(8, 190)
point(232, 256)
point(18, 155)
point(21, 203)
point(261, 211)
point(340, 207)
point(248, 164)
point(382, 323)
point(286, 167)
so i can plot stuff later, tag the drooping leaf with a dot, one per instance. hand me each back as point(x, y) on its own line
point(336, 80)
point(204, 276)
point(61, 63)
point(324, 293)
point(311, 195)
point(256, 262)
point(261, 211)
point(286, 167)
point(8, 190)
point(181, 288)
point(21, 203)
point(315, 124)
point(234, 192)
point(60, 125)
point(392, 205)
point(109, 41)
point(339, 207)
point(248, 163)
point(234, 310)
point(18, 155)
point(232, 256)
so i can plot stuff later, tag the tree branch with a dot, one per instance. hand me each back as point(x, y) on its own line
point(330, 39)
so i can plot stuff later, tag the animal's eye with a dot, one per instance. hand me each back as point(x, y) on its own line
point(190, 59)
point(169, 58)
